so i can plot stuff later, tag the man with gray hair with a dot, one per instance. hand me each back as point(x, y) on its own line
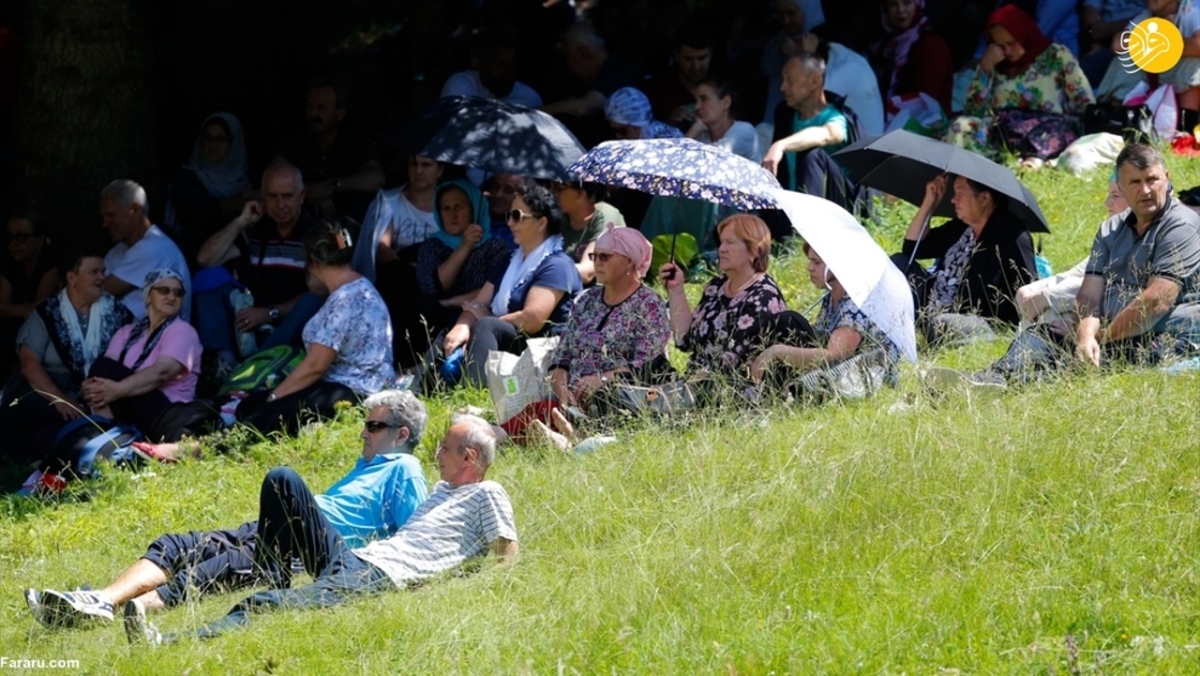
point(465, 517)
point(140, 247)
point(597, 75)
point(372, 501)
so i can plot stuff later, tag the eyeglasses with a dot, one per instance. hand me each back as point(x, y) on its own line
point(601, 257)
point(168, 291)
point(518, 215)
point(377, 426)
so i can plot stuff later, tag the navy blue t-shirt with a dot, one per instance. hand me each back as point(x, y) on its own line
point(556, 273)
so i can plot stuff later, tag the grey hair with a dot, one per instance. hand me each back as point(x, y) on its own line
point(479, 436)
point(127, 192)
point(403, 410)
point(810, 62)
point(584, 34)
point(281, 164)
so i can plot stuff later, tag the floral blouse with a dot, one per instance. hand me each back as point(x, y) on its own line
point(847, 314)
point(599, 338)
point(354, 323)
point(726, 333)
point(1053, 83)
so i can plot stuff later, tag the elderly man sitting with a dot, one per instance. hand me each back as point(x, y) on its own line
point(372, 501)
point(464, 517)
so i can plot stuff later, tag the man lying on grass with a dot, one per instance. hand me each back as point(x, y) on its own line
point(372, 501)
point(463, 518)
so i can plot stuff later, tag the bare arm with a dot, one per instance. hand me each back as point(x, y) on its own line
point(1143, 312)
point(805, 139)
point(117, 287)
point(100, 392)
point(539, 303)
point(1087, 307)
point(677, 304)
point(383, 252)
point(934, 191)
point(309, 371)
point(220, 247)
point(591, 103)
point(842, 344)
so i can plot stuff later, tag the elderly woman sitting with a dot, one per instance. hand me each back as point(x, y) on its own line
point(56, 347)
point(736, 315)
point(151, 363)
point(985, 254)
point(529, 297)
point(842, 331)
point(617, 330)
point(1024, 89)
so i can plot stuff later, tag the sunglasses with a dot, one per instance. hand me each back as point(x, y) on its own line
point(518, 215)
point(377, 426)
point(601, 257)
point(168, 291)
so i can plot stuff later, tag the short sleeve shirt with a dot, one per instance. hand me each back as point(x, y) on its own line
point(180, 342)
point(354, 323)
point(556, 273)
point(130, 264)
point(454, 524)
point(575, 242)
point(275, 268)
point(1170, 248)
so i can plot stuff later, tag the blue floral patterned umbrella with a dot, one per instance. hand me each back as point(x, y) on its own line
point(679, 168)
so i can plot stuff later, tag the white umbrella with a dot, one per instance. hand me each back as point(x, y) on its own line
point(858, 262)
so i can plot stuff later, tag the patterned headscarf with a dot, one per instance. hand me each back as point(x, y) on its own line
point(630, 243)
point(628, 106)
point(155, 276)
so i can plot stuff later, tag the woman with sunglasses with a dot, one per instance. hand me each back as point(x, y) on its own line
point(530, 297)
point(151, 363)
point(618, 330)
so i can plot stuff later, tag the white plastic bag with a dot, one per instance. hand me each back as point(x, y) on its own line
point(516, 382)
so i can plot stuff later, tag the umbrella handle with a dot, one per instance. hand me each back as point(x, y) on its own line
point(920, 236)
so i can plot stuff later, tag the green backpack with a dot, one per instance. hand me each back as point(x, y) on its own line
point(263, 370)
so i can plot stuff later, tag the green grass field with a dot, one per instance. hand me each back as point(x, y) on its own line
point(1049, 530)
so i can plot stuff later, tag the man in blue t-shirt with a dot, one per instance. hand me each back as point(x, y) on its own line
point(371, 502)
point(808, 129)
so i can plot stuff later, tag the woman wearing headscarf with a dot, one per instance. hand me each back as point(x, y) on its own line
point(56, 347)
point(1024, 88)
point(210, 188)
point(628, 113)
point(149, 364)
point(452, 264)
point(912, 58)
point(618, 330)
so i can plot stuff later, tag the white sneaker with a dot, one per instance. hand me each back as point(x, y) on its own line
point(137, 628)
point(942, 379)
point(72, 608)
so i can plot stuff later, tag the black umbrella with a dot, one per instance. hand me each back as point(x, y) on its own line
point(901, 163)
point(488, 134)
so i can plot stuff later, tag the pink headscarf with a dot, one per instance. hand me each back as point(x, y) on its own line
point(896, 49)
point(630, 243)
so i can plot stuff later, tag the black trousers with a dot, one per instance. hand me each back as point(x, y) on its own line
point(198, 562)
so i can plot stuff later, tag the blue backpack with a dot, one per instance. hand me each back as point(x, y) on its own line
point(84, 440)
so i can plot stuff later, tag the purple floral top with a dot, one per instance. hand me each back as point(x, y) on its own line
point(599, 338)
point(726, 333)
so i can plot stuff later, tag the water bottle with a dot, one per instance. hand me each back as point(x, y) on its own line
point(241, 299)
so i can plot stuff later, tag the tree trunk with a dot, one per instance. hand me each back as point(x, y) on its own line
point(86, 113)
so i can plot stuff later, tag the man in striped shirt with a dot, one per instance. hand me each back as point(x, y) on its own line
point(463, 518)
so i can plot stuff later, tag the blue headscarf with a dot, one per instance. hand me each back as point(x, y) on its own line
point(479, 212)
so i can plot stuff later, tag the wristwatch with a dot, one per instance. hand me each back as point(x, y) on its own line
point(335, 184)
point(273, 313)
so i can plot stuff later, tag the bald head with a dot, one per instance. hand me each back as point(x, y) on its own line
point(283, 193)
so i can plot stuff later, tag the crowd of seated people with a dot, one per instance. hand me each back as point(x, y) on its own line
point(445, 269)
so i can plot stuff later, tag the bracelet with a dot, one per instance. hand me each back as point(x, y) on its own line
point(271, 397)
